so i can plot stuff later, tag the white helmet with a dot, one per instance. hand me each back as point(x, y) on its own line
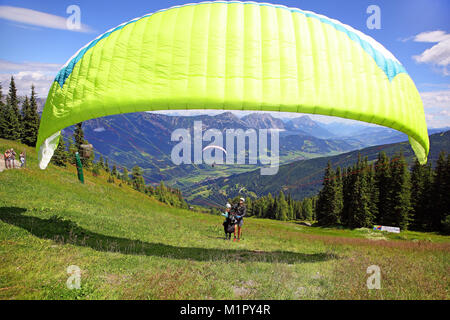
point(228, 206)
point(242, 199)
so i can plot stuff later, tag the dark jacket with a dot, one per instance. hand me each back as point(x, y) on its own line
point(240, 211)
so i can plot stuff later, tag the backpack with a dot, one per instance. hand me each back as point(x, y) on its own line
point(229, 224)
point(230, 227)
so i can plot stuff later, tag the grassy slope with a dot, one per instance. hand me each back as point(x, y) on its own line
point(129, 246)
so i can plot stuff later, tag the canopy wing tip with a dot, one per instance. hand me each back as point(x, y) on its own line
point(47, 149)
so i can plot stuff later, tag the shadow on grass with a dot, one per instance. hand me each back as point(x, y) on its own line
point(64, 231)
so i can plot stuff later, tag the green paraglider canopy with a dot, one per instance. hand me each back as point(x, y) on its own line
point(234, 56)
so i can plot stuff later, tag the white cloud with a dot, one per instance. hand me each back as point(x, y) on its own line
point(436, 86)
point(437, 108)
point(41, 75)
point(38, 18)
point(436, 99)
point(25, 79)
point(29, 66)
point(439, 54)
point(431, 36)
point(445, 113)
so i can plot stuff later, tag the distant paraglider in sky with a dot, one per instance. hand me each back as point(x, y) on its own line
point(237, 56)
point(214, 147)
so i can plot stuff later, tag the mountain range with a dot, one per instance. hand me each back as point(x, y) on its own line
point(144, 139)
point(300, 178)
point(306, 125)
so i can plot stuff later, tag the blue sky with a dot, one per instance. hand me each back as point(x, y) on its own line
point(417, 32)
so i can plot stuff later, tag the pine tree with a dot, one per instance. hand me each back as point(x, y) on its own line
point(383, 186)
point(421, 185)
point(114, 171)
point(298, 210)
point(445, 222)
point(101, 162)
point(126, 176)
point(78, 135)
point(281, 207)
point(328, 208)
point(110, 179)
point(250, 207)
point(314, 201)
point(150, 189)
point(11, 124)
point(72, 150)
point(400, 199)
point(138, 180)
point(440, 193)
point(107, 169)
point(290, 204)
point(3, 112)
point(13, 102)
point(427, 205)
point(269, 211)
point(307, 209)
point(373, 194)
point(260, 212)
point(161, 191)
point(362, 197)
point(30, 120)
point(351, 205)
point(346, 195)
point(24, 112)
point(339, 196)
point(96, 169)
point(61, 155)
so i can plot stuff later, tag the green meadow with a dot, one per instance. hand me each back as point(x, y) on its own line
point(129, 246)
